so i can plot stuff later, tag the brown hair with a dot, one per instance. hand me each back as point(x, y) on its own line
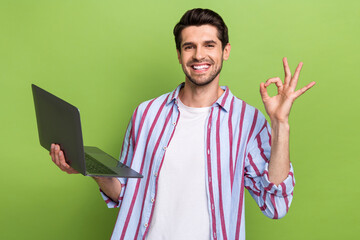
point(198, 17)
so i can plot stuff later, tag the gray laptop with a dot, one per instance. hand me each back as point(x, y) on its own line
point(59, 122)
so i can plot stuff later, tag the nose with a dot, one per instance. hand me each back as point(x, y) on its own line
point(199, 53)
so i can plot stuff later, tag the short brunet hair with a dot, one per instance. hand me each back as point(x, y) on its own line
point(198, 17)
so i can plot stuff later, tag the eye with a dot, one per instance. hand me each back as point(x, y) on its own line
point(210, 45)
point(188, 47)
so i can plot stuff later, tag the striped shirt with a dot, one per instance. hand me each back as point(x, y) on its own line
point(238, 144)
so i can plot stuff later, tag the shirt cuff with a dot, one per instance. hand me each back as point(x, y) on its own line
point(109, 202)
point(283, 189)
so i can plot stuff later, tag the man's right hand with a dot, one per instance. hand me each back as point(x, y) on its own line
point(57, 156)
point(109, 185)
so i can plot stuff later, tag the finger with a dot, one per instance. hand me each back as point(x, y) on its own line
point(287, 71)
point(68, 169)
point(62, 161)
point(294, 79)
point(277, 82)
point(52, 152)
point(71, 171)
point(301, 91)
point(263, 92)
point(56, 155)
point(64, 165)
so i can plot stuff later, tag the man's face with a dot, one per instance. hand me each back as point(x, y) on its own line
point(201, 54)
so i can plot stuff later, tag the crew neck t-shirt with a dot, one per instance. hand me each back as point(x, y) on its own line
point(181, 205)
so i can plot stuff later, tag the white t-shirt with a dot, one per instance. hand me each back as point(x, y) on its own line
point(181, 206)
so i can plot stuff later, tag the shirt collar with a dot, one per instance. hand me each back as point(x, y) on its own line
point(223, 101)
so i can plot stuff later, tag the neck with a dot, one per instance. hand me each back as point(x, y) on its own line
point(200, 96)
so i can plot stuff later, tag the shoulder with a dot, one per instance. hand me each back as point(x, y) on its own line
point(248, 110)
point(251, 117)
point(150, 107)
point(154, 103)
point(236, 105)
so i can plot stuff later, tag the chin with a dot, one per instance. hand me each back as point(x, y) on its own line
point(203, 80)
point(201, 83)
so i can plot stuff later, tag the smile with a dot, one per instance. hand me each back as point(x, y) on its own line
point(200, 67)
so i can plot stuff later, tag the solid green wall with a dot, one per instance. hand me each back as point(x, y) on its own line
point(107, 56)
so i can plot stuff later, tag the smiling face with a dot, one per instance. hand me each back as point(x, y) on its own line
point(201, 54)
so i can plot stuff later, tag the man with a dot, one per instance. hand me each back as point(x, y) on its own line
point(199, 146)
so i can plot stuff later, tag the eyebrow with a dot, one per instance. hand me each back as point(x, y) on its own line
point(191, 43)
point(210, 41)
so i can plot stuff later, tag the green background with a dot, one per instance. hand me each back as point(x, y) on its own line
point(107, 56)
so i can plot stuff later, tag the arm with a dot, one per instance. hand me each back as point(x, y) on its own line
point(273, 200)
point(278, 108)
point(110, 186)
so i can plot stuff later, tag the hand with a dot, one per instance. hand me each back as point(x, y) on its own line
point(58, 158)
point(278, 107)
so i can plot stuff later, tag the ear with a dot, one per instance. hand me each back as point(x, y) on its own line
point(178, 55)
point(226, 52)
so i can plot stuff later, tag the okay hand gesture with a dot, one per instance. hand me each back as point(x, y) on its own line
point(278, 107)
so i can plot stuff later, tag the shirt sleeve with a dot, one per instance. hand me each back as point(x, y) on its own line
point(126, 158)
point(274, 201)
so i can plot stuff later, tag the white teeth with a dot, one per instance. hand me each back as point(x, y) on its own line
point(200, 67)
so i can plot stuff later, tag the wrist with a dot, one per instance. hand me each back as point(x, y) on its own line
point(280, 131)
point(280, 123)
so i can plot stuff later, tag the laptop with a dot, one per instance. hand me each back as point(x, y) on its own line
point(59, 122)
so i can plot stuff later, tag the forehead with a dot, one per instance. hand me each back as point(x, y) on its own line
point(199, 33)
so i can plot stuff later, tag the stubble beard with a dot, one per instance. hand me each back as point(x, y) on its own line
point(207, 81)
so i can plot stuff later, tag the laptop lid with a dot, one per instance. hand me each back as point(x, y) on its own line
point(59, 122)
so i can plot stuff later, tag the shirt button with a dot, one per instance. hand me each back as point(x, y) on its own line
point(174, 123)
point(155, 174)
point(152, 200)
point(164, 148)
point(145, 225)
point(208, 151)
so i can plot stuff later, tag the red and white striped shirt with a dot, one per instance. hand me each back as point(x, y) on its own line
point(237, 154)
